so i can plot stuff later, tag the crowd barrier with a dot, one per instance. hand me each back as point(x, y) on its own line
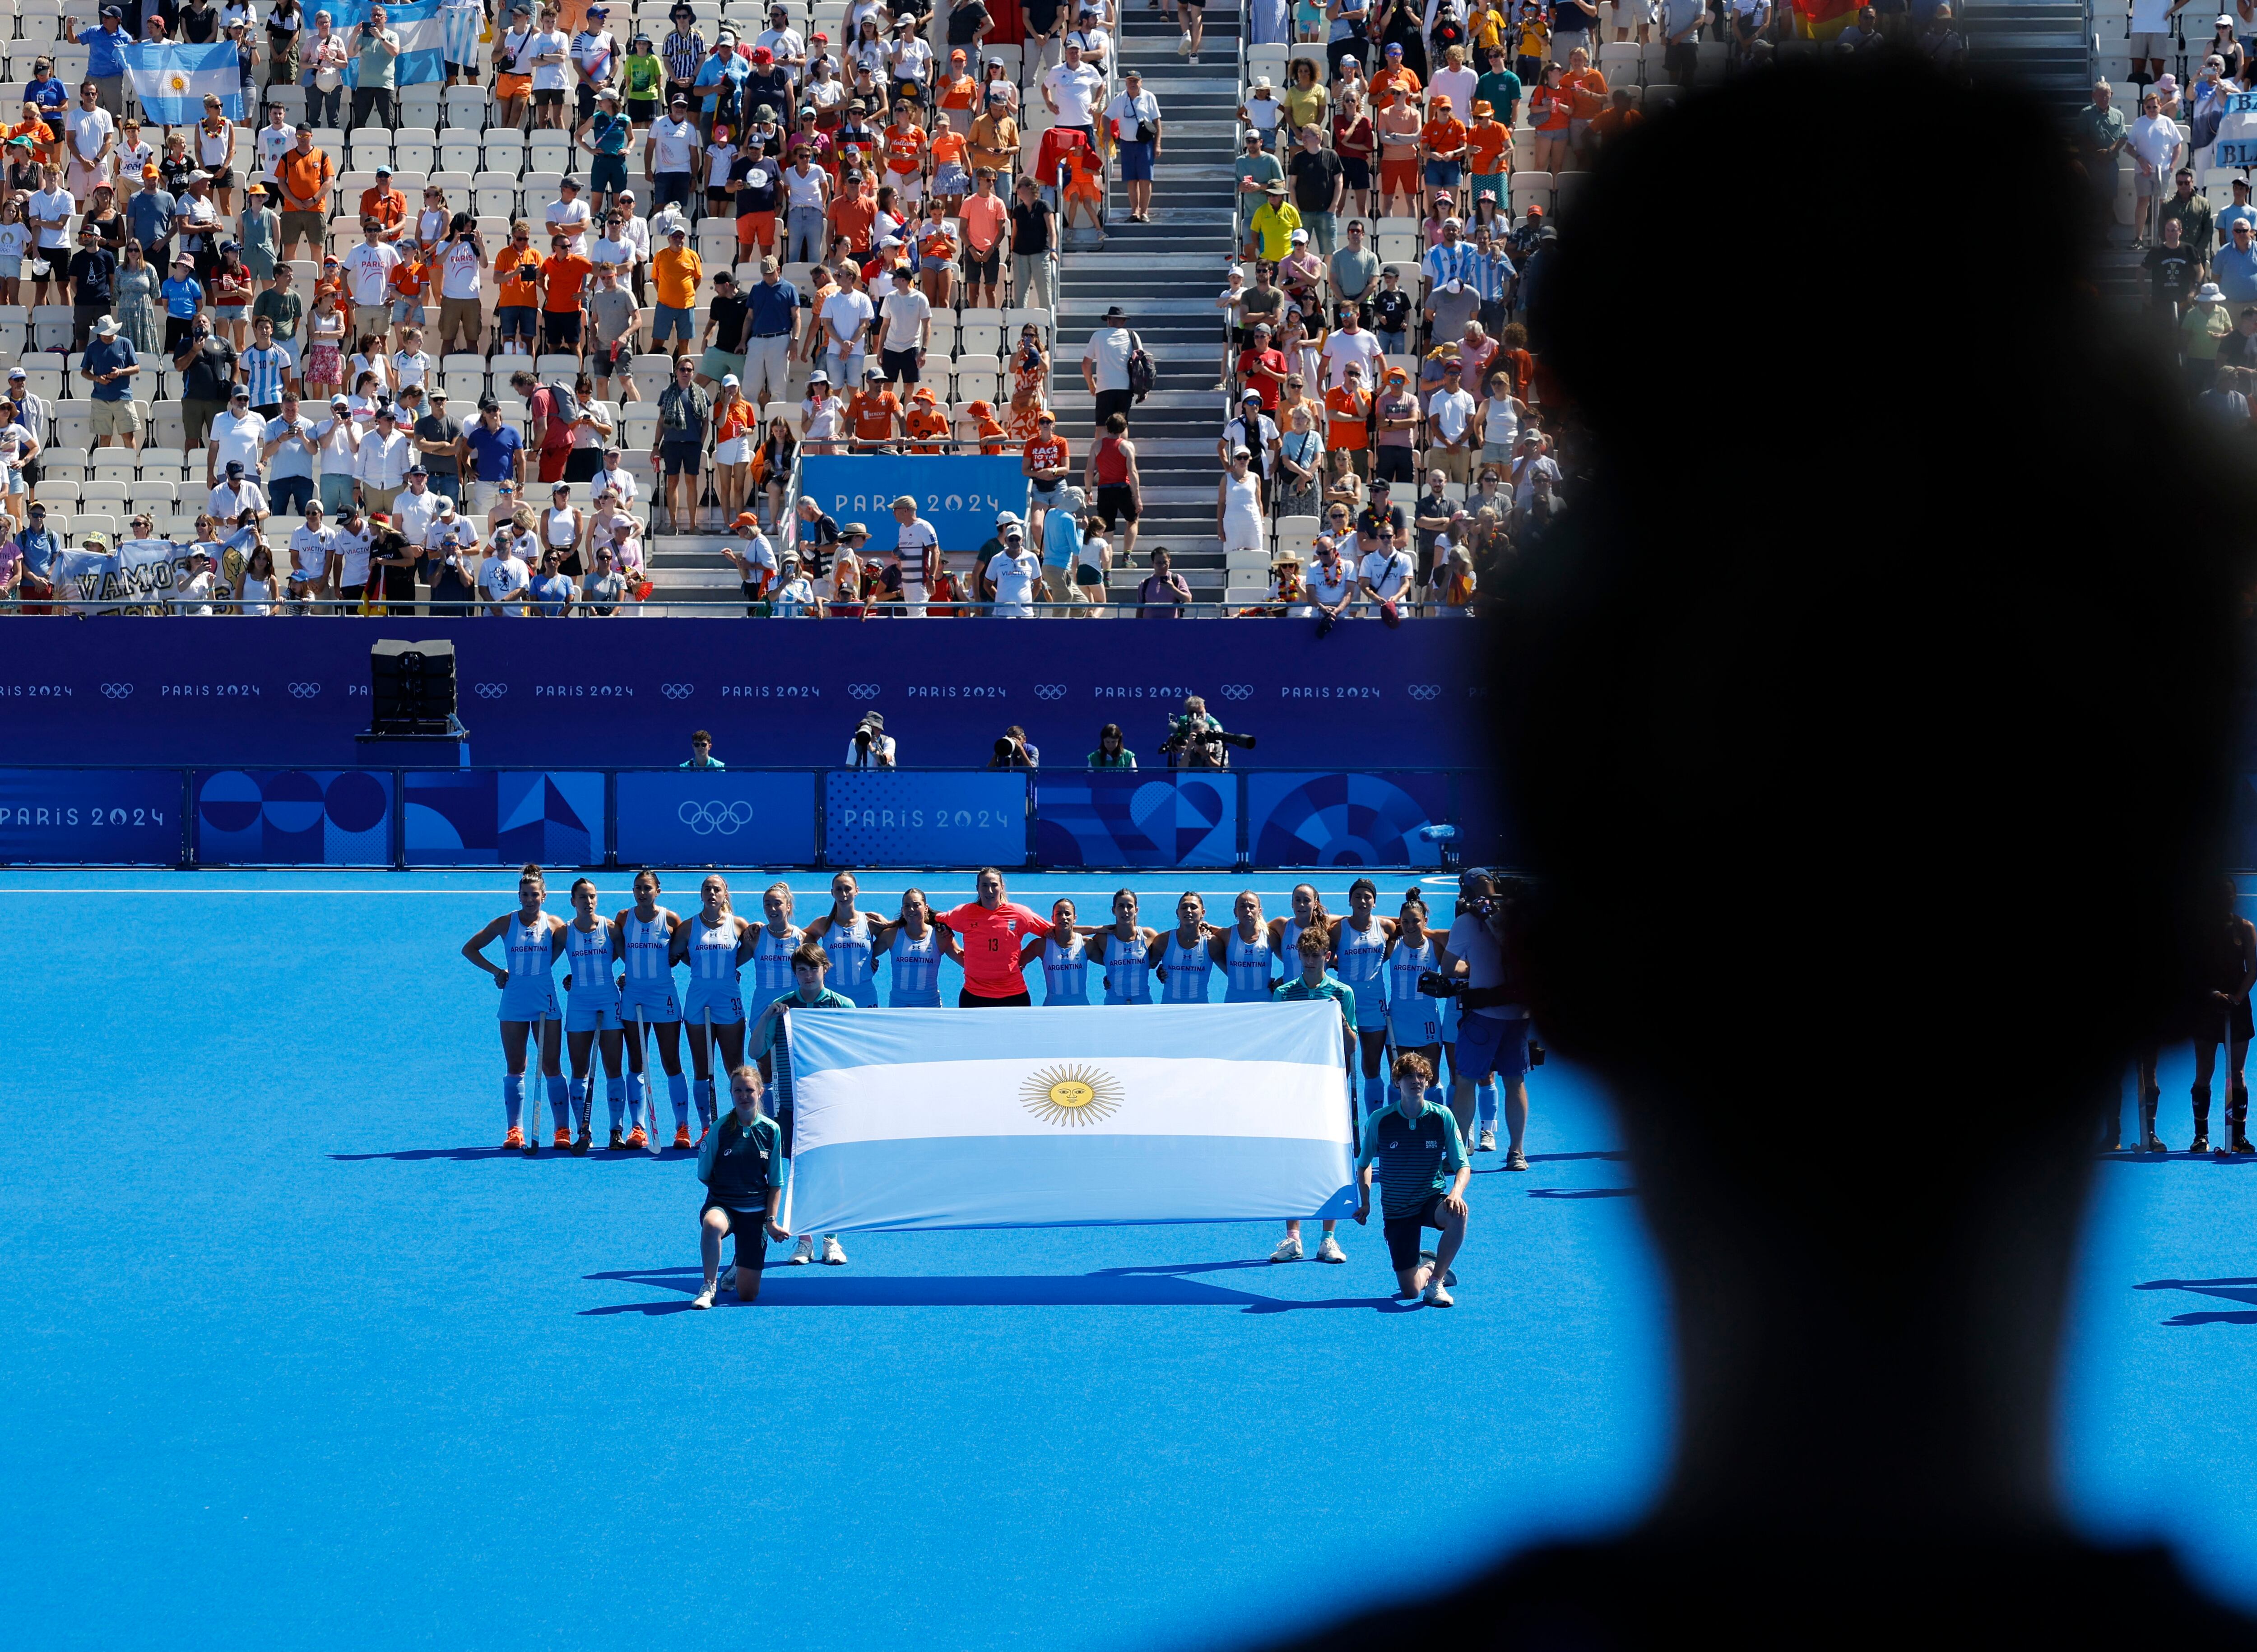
point(809, 818)
point(245, 693)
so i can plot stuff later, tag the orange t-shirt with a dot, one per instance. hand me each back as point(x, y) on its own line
point(852, 216)
point(1047, 455)
point(904, 150)
point(1386, 80)
point(565, 273)
point(984, 220)
point(1587, 89)
point(515, 288)
point(929, 424)
point(1085, 176)
point(1345, 427)
point(388, 206)
point(991, 436)
point(1445, 133)
point(306, 177)
point(872, 416)
point(961, 92)
point(741, 419)
point(949, 145)
point(410, 276)
point(1488, 142)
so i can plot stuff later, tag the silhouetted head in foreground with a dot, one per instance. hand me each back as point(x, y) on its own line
point(1873, 748)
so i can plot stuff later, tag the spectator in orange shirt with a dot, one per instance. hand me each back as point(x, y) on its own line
point(408, 280)
point(1489, 151)
point(872, 415)
point(986, 222)
point(1348, 419)
point(990, 435)
point(1445, 146)
point(905, 146)
point(1045, 462)
point(853, 212)
point(1586, 98)
point(1386, 80)
point(1616, 120)
point(384, 204)
point(927, 425)
point(1084, 188)
point(517, 297)
point(562, 274)
point(951, 179)
point(936, 254)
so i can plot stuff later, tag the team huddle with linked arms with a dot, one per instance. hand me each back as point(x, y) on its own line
point(1401, 984)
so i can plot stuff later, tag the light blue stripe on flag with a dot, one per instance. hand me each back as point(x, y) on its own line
point(894, 1038)
point(1029, 1181)
point(416, 23)
point(171, 82)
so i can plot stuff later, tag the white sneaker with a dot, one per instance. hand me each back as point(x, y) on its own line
point(833, 1256)
point(1328, 1250)
point(1184, 46)
point(1488, 1142)
point(804, 1251)
point(1436, 1297)
point(1289, 1249)
point(703, 1299)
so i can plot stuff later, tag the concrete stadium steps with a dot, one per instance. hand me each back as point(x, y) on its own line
point(2045, 43)
point(1165, 275)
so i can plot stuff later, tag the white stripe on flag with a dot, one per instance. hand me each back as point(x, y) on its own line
point(1134, 1096)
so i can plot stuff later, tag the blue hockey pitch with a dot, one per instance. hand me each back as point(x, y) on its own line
point(294, 1351)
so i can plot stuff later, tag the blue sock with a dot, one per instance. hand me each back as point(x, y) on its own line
point(1485, 1103)
point(704, 1102)
point(560, 1104)
point(576, 1089)
point(615, 1097)
point(512, 1097)
point(677, 1090)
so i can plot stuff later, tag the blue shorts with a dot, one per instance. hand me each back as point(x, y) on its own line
point(1416, 1024)
point(723, 1004)
point(654, 999)
point(598, 1012)
point(408, 312)
point(1445, 174)
point(530, 1001)
point(1491, 1044)
point(1136, 162)
point(928, 999)
point(672, 324)
point(512, 320)
point(608, 172)
point(1370, 1008)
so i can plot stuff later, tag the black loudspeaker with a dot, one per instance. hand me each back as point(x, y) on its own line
point(412, 688)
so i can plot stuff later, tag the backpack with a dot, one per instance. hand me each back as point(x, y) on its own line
point(566, 404)
point(1142, 375)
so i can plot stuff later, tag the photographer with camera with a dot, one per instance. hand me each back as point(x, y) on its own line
point(1015, 750)
point(1493, 1022)
point(871, 747)
point(1197, 741)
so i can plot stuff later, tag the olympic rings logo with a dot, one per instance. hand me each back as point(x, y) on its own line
point(862, 691)
point(117, 690)
point(1237, 690)
point(705, 819)
point(1424, 691)
point(304, 691)
point(492, 690)
point(1050, 691)
point(678, 690)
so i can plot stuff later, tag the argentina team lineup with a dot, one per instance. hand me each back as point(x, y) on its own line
point(1426, 1041)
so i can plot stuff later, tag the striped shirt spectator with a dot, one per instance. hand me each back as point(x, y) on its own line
point(1448, 262)
point(683, 54)
point(264, 369)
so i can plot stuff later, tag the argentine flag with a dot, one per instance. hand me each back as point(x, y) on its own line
point(1068, 1117)
point(416, 23)
point(171, 82)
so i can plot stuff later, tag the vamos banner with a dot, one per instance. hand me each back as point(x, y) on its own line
point(140, 576)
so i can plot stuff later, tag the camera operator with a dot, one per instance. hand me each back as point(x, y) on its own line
point(1015, 750)
point(871, 747)
point(1196, 740)
point(1493, 1022)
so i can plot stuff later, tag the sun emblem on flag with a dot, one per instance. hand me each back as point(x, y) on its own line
point(178, 82)
point(1070, 1096)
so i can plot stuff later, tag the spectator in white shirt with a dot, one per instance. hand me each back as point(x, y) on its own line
point(1384, 574)
point(238, 437)
point(1070, 89)
point(1011, 576)
point(1351, 345)
point(618, 481)
point(1450, 426)
point(503, 577)
point(416, 508)
point(337, 439)
point(368, 270)
point(2156, 146)
point(381, 465)
point(1095, 44)
point(312, 556)
point(237, 492)
point(569, 216)
point(194, 594)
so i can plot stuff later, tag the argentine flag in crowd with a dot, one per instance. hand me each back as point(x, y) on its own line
point(1068, 1117)
point(171, 82)
point(417, 26)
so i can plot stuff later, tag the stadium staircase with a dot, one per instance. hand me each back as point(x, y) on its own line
point(2044, 43)
point(1165, 275)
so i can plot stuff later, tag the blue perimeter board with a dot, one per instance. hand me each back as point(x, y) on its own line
point(293, 1352)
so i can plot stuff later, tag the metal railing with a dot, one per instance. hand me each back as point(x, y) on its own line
point(719, 607)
